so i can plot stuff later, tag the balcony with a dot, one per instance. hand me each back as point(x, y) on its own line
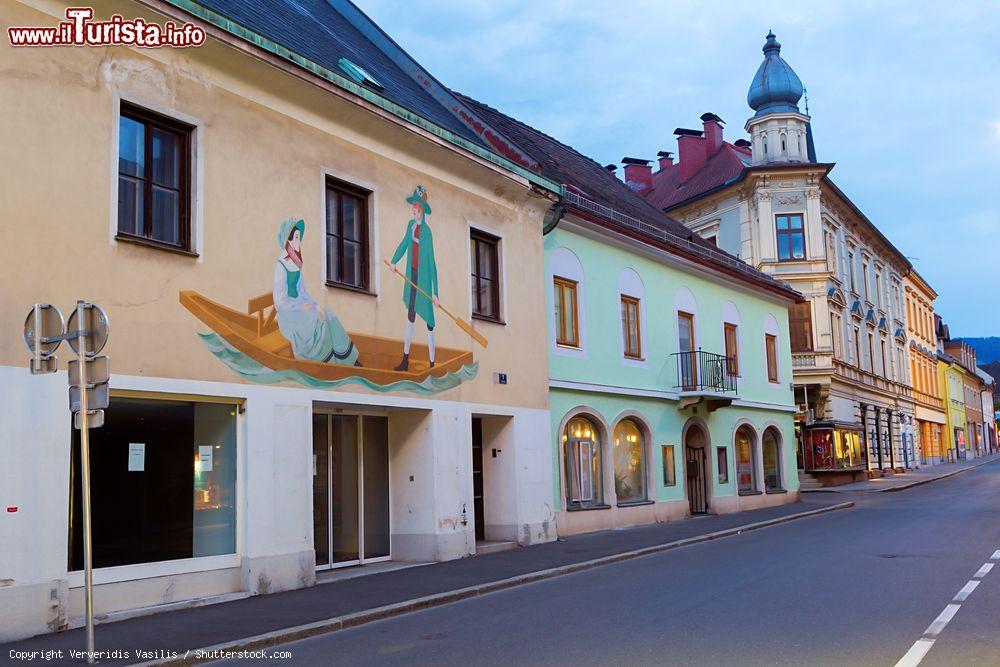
point(705, 377)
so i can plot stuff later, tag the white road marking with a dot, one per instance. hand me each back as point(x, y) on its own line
point(920, 647)
point(935, 628)
point(916, 653)
point(966, 590)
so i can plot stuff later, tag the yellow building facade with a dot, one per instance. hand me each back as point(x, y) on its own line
point(931, 420)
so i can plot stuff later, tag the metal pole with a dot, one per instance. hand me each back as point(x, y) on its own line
point(88, 577)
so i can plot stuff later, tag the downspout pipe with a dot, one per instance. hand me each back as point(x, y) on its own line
point(553, 216)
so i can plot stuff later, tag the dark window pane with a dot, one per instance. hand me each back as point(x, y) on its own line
point(166, 158)
point(352, 264)
point(332, 259)
point(131, 147)
point(130, 205)
point(166, 219)
point(332, 216)
point(350, 226)
point(487, 253)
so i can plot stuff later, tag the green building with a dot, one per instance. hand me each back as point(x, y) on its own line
point(669, 360)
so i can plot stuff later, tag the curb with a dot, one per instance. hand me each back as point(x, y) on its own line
point(285, 635)
point(910, 485)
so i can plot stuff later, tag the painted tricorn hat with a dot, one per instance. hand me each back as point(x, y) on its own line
point(419, 196)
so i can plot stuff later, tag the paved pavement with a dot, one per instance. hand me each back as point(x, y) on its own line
point(179, 631)
point(857, 587)
point(909, 478)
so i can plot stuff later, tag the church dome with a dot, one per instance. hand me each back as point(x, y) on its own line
point(775, 87)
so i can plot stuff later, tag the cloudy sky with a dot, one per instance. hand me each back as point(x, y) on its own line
point(905, 98)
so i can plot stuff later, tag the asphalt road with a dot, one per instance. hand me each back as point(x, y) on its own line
point(856, 587)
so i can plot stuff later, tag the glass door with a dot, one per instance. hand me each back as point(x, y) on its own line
point(350, 489)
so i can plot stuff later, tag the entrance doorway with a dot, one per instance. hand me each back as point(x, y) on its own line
point(695, 465)
point(350, 489)
point(477, 478)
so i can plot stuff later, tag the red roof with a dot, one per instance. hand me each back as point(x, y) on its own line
point(721, 169)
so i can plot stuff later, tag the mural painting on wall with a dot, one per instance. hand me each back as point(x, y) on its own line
point(286, 335)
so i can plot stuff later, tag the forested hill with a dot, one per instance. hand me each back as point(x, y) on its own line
point(987, 349)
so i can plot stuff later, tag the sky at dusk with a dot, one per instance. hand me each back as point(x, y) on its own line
point(905, 99)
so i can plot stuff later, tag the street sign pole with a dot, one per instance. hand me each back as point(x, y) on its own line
point(87, 333)
point(88, 574)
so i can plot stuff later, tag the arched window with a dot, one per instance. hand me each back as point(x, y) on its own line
point(630, 462)
point(582, 449)
point(771, 452)
point(746, 460)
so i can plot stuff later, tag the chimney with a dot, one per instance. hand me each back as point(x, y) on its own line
point(666, 160)
point(613, 168)
point(690, 151)
point(712, 125)
point(638, 174)
point(742, 143)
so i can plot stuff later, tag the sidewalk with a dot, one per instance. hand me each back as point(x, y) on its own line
point(323, 607)
point(911, 478)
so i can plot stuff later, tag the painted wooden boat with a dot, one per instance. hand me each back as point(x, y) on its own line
point(255, 333)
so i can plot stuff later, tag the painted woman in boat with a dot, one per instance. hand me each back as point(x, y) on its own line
point(313, 331)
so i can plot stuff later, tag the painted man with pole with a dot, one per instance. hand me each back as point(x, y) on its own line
point(420, 291)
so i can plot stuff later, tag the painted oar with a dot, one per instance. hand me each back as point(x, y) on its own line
point(462, 324)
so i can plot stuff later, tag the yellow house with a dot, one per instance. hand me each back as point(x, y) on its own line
point(950, 374)
point(930, 415)
point(248, 212)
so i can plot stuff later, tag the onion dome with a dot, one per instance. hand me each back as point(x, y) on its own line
point(776, 87)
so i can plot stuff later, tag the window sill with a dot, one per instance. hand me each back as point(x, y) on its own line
point(149, 243)
point(628, 358)
point(750, 493)
point(350, 288)
point(492, 320)
point(772, 492)
point(579, 508)
point(564, 346)
point(636, 503)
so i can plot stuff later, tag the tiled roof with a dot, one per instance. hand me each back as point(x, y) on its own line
point(317, 31)
point(590, 179)
point(721, 169)
point(563, 163)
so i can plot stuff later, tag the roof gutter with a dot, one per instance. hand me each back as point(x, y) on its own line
point(237, 30)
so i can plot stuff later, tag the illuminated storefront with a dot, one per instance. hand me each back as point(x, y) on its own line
point(832, 451)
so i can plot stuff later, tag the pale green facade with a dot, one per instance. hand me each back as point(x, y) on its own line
point(598, 381)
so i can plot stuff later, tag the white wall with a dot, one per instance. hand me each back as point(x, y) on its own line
point(430, 441)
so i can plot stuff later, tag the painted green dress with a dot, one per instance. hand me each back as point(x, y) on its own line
point(312, 337)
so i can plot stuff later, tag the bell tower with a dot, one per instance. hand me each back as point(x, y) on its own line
point(779, 132)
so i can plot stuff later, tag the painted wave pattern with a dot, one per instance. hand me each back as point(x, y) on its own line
point(254, 370)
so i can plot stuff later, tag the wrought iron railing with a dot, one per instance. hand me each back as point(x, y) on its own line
point(705, 371)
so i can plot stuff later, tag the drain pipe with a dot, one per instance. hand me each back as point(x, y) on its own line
point(553, 216)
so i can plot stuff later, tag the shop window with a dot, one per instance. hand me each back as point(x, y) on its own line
point(771, 454)
point(746, 466)
point(583, 464)
point(831, 449)
point(630, 463)
point(163, 483)
point(668, 465)
point(567, 319)
point(722, 464)
point(485, 275)
point(154, 180)
point(631, 332)
point(346, 235)
point(791, 237)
